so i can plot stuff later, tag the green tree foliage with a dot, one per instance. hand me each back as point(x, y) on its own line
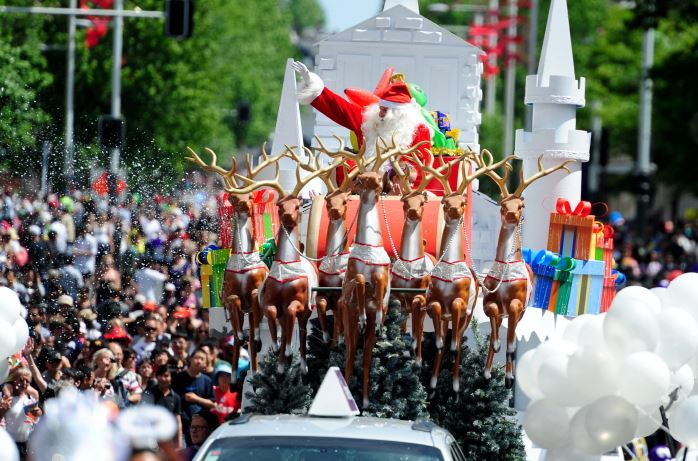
point(278, 393)
point(22, 76)
point(478, 416)
point(174, 93)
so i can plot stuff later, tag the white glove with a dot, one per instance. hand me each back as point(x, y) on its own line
point(303, 71)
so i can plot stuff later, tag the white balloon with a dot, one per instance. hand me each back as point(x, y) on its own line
point(683, 292)
point(648, 421)
point(582, 441)
point(10, 306)
point(554, 383)
point(8, 339)
point(547, 424)
point(592, 331)
point(525, 377)
point(574, 328)
point(593, 371)
point(8, 448)
point(683, 421)
point(662, 294)
point(630, 326)
point(642, 294)
point(683, 380)
point(643, 379)
point(678, 337)
point(611, 421)
point(567, 454)
point(21, 332)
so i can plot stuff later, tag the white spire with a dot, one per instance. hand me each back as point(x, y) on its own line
point(334, 398)
point(555, 95)
point(409, 4)
point(556, 55)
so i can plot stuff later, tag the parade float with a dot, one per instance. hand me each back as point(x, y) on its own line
point(327, 239)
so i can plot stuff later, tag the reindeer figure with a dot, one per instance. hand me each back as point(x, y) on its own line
point(367, 281)
point(453, 287)
point(333, 265)
point(508, 284)
point(412, 267)
point(285, 294)
point(245, 270)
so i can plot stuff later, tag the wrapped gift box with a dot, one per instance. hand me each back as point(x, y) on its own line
point(212, 270)
point(586, 288)
point(603, 236)
point(560, 292)
point(570, 231)
point(611, 283)
point(225, 232)
point(265, 216)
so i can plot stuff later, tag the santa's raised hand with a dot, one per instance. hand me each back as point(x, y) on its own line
point(301, 70)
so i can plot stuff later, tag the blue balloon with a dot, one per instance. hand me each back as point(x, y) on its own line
point(660, 453)
point(200, 198)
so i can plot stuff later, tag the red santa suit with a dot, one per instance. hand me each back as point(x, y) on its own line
point(410, 130)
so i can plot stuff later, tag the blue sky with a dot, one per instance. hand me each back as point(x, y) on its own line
point(342, 14)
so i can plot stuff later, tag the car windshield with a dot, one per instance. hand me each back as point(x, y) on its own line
point(316, 449)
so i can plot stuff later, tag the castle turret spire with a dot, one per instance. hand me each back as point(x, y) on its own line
point(555, 95)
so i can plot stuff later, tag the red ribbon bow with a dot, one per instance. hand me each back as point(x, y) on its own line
point(264, 196)
point(563, 206)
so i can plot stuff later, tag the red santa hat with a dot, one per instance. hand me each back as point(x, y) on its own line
point(397, 95)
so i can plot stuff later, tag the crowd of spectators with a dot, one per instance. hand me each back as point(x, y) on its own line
point(663, 250)
point(111, 298)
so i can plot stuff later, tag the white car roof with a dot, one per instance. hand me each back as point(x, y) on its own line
point(357, 427)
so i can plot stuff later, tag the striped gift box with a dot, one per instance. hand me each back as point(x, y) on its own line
point(586, 288)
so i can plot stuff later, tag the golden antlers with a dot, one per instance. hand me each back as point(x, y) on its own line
point(501, 181)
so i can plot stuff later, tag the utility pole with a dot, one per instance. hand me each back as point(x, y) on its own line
point(491, 88)
point(644, 167)
point(510, 80)
point(532, 46)
point(69, 154)
point(115, 151)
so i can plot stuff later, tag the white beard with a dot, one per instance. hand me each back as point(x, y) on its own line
point(398, 123)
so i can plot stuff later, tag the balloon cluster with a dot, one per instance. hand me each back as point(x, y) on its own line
point(14, 331)
point(95, 430)
point(601, 382)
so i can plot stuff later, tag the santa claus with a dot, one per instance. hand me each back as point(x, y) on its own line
point(396, 116)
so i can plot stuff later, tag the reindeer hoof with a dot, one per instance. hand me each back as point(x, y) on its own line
point(418, 361)
point(432, 382)
point(456, 385)
point(508, 382)
point(304, 367)
point(439, 343)
point(241, 336)
point(275, 346)
point(365, 406)
point(454, 346)
point(488, 374)
point(280, 368)
point(325, 337)
point(496, 346)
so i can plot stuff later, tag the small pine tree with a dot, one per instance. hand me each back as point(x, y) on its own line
point(274, 392)
point(395, 390)
point(478, 416)
point(318, 355)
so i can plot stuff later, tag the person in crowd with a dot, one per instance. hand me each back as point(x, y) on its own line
point(163, 395)
point(202, 424)
point(128, 378)
point(195, 388)
point(226, 399)
point(145, 345)
point(19, 408)
point(85, 252)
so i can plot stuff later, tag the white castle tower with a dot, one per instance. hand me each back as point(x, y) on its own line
point(555, 96)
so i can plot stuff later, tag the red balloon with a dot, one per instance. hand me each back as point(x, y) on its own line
point(361, 98)
point(384, 81)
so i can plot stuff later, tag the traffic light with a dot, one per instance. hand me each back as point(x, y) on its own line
point(179, 18)
point(112, 132)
